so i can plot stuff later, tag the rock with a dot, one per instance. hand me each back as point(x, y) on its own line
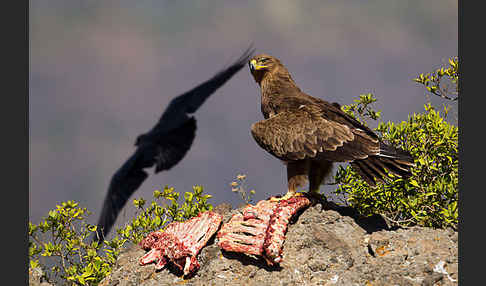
point(36, 277)
point(322, 247)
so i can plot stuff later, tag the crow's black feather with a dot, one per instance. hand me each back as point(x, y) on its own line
point(163, 146)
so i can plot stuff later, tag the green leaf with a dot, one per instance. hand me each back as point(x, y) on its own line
point(414, 183)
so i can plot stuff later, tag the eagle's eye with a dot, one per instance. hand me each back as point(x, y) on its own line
point(263, 60)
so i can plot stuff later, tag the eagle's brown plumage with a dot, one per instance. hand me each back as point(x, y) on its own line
point(308, 134)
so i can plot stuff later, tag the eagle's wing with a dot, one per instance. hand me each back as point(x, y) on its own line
point(304, 133)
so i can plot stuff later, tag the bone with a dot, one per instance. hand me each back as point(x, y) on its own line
point(260, 229)
point(180, 242)
point(275, 234)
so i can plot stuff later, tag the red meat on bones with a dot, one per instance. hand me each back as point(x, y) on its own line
point(180, 242)
point(260, 229)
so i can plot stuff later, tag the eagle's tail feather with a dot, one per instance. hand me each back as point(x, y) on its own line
point(395, 161)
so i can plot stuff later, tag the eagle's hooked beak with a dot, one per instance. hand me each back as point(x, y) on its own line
point(254, 66)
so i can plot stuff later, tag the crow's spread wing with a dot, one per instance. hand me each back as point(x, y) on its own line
point(194, 98)
point(131, 175)
point(188, 102)
point(163, 146)
point(122, 185)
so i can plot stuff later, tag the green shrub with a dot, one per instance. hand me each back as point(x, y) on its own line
point(444, 81)
point(361, 108)
point(429, 197)
point(64, 236)
point(159, 213)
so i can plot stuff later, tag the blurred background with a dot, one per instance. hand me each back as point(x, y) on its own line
point(102, 72)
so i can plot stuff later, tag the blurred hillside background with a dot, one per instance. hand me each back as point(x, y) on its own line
point(102, 72)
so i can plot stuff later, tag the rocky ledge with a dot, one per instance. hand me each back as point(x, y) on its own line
point(322, 247)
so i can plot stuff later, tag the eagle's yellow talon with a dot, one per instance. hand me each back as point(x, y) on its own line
point(286, 197)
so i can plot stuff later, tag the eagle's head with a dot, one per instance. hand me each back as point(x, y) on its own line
point(263, 65)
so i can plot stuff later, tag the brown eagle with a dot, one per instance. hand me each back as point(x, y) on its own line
point(308, 134)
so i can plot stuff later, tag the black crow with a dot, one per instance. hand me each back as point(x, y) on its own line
point(163, 146)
